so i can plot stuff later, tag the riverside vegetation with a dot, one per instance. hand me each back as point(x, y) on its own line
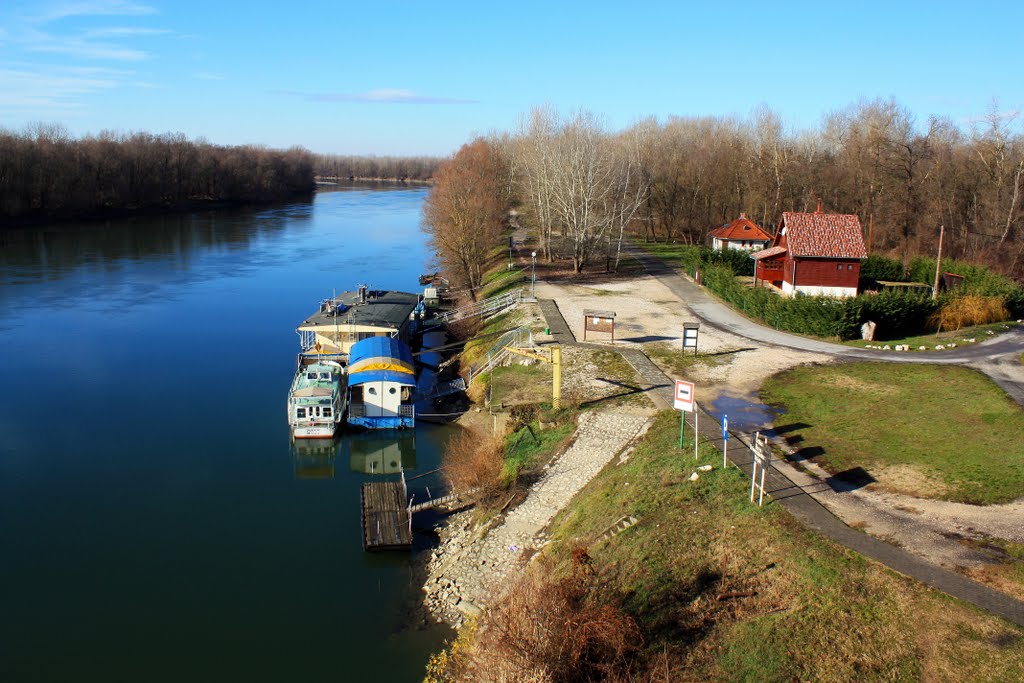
point(709, 587)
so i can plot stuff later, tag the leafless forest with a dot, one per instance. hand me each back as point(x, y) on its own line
point(335, 166)
point(46, 173)
point(581, 187)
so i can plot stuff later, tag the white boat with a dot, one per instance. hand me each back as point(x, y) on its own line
point(317, 400)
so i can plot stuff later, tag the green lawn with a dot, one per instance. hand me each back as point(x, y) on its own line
point(817, 612)
point(964, 337)
point(931, 431)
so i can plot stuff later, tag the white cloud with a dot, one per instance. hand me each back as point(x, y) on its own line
point(124, 32)
point(95, 8)
point(380, 96)
point(50, 88)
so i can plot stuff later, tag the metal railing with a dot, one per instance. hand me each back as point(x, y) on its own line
point(407, 411)
point(482, 308)
point(519, 337)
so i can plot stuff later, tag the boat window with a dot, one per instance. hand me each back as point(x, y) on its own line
point(314, 411)
point(373, 391)
point(310, 375)
point(392, 390)
point(327, 412)
point(300, 412)
point(325, 375)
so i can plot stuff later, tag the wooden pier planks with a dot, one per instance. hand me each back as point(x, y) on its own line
point(385, 516)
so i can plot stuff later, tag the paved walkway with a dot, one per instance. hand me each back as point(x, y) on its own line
point(475, 568)
point(799, 502)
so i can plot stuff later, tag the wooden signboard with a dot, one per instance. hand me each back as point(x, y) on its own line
point(598, 321)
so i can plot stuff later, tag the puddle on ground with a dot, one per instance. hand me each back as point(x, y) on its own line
point(745, 413)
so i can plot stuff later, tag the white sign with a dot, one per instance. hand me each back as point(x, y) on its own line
point(684, 396)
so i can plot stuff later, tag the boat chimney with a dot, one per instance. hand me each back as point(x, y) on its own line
point(362, 294)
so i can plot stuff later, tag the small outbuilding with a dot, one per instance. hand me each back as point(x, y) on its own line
point(742, 234)
point(813, 253)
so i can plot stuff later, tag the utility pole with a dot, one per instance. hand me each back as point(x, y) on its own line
point(938, 263)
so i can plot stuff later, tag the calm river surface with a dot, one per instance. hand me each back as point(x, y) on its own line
point(156, 523)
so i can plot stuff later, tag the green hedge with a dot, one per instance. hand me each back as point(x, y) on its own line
point(898, 314)
point(701, 257)
point(978, 280)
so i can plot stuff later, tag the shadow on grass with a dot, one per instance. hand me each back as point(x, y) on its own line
point(850, 480)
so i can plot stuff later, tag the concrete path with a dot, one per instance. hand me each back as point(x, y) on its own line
point(812, 514)
point(459, 583)
point(998, 358)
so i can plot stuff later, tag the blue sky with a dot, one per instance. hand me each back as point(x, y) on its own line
point(421, 77)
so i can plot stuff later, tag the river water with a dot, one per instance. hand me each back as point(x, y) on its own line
point(156, 522)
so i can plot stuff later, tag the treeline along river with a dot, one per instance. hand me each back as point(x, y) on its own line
point(156, 521)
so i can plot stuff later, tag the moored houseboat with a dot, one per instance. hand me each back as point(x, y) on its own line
point(350, 317)
point(316, 400)
point(381, 384)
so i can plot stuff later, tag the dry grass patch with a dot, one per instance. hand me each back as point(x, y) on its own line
point(967, 311)
point(474, 462)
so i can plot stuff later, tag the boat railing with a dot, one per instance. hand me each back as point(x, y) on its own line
point(407, 411)
point(307, 338)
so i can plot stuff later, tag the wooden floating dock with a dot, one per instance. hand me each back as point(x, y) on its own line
point(386, 521)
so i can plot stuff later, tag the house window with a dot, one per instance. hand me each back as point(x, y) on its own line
point(839, 266)
point(849, 266)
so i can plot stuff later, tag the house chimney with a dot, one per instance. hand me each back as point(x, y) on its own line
point(819, 205)
point(743, 215)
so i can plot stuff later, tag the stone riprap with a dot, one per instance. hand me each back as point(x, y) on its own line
point(472, 565)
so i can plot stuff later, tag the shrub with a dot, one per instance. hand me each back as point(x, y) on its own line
point(548, 629)
point(965, 311)
point(875, 268)
point(472, 462)
point(898, 314)
point(978, 280)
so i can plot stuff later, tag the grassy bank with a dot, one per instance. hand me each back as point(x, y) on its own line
point(924, 430)
point(709, 587)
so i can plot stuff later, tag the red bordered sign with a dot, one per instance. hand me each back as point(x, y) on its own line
point(684, 396)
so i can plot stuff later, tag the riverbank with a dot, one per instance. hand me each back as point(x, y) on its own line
point(474, 563)
point(471, 561)
point(96, 216)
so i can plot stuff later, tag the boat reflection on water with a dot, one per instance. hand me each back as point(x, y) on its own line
point(382, 453)
point(314, 458)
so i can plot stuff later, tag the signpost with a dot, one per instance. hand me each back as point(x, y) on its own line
point(684, 400)
point(763, 460)
point(690, 332)
point(725, 441)
point(598, 321)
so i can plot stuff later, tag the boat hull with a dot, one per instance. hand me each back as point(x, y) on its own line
point(315, 431)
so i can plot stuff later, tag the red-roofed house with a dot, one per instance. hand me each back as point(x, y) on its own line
point(813, 253)
point(742, 234)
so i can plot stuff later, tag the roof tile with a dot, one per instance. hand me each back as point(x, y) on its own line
point(827, 235)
